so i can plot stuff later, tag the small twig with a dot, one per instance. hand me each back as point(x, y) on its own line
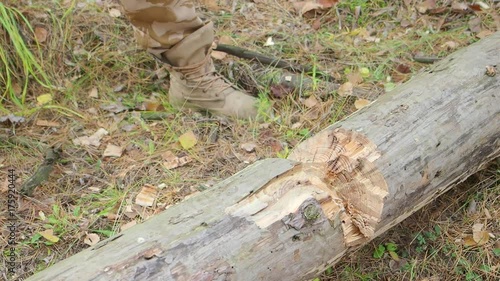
point(155, 115)
point(43, 172)
point(423, 59)
point(275, 62)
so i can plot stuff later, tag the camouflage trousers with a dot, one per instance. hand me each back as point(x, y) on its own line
point(160, 24)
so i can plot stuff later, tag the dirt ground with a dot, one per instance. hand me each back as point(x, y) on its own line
point(82, 85)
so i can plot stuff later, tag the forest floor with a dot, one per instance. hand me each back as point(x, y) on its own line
point(81, 84)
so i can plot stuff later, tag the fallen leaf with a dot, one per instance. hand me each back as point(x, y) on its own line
point(112, 151)
point(248, 146)
point(475, 7)
point(354, 77)
point(114, 107)
point(171, 161)
point(269, 42)
point(475, 25)
point(346, 89)
point(484, 33)
point(403, 68)
point(93, 140)
point(310, 102)
point(280, 91)
point(115, 13)
point(146, 196)
point(93, 93)
point(425, 6)
point(40, 34)
point(303, 7)
point(44, 99)
point(46, 123)
point(91, 239)
point(49, 235)
point(153, 106)
point(450, 45)
point(316, 24)
point(188, 140)
point(296, 126)
point(11, 119)
point(480, 237)
point(460, 7)
point(360, 103)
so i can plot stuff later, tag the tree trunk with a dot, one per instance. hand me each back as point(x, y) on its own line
point(287, 219)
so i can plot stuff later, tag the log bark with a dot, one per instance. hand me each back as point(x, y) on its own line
point(287, 219)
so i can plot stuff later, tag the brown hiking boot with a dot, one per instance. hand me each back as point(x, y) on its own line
point(195, 84)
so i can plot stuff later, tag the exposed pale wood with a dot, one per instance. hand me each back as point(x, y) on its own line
point(287, 219)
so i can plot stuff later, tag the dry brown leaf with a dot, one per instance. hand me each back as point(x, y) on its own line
point(112, 151)
point(146, 196)
point(360, 103)
point(310, 102)
point(484, 33)
point(93, 140)
point(153, 106)
point(303, 7)
point(426, 6)
point(91, 239)
point(40, 34)
point(459, 7)
point(171, 161)
point(316, 24)
point(480, 237)
point(346, 89)
point(47, 123)
point(355, 78)
point(450, 45)
point(93, 93)
point(248, 146)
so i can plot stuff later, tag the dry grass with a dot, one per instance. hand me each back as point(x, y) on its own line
point(86, 48)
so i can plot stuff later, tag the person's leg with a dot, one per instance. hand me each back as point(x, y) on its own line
point(171, 31)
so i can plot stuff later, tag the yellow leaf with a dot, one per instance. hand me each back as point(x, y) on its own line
point(44, 99)
point(365, 72)
point(49, 235)
point(188, 140)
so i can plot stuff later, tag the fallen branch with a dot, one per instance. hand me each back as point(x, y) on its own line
point(275, 62)
point(42, 173)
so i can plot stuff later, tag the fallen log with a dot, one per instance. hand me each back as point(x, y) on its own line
point(287, 219)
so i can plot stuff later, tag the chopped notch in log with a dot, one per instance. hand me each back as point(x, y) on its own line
point(337, 182)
